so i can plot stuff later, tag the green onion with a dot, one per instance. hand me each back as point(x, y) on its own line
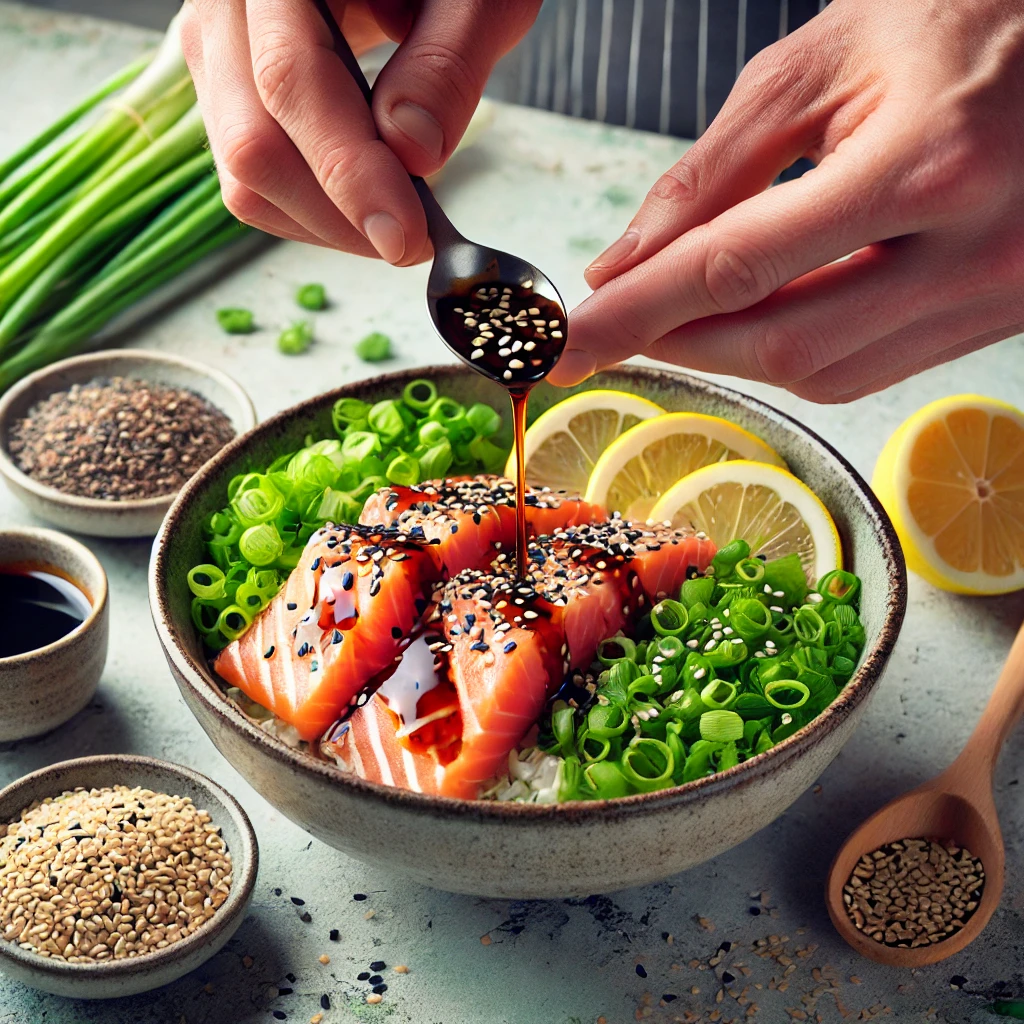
point(261, 545)
point(616, 648)
point(606, 780)
point(296, 339)
point(787, 694)
point(669, 618)
point(256, 500)
point(726, 558)
point(420, 395)
point(605, 721)
point(839, 586)
point(233, 621)
point(374, 348)
point(648, 765)
point(206, 581)
point(404, 469)
point(436, 461)
point(721, 726)
point(808, 625)
point(235, 320)
point(483, 419)
point(312, 297)
point(719, 694)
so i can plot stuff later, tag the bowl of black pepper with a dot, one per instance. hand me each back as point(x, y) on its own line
point(100, 444)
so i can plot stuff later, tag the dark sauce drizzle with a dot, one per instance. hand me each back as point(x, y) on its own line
point(512, 336)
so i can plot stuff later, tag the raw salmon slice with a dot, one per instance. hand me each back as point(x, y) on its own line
point(468, 521)
point(338, 622)
point(510, 644)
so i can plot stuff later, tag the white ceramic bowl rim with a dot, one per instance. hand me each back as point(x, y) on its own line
point(570, 812)
point(96, 601)
point(244, 864)
point(128, 356)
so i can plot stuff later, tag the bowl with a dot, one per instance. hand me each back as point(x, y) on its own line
point(43, 688)
point(130, 976)
point(95, 517)
point(529, 850)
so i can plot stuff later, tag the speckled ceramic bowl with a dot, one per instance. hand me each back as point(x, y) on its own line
point(92, 516)
point(514, 850)
point(43, 688)
point(150, 970)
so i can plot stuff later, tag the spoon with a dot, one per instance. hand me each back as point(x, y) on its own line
point(956, 805)
point(459, 264)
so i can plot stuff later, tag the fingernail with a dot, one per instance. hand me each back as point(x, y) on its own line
point(575, 365)
point(420, 126)
point(385, 235)
point(617, 251)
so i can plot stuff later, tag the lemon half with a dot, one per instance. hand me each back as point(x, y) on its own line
point(952, 480)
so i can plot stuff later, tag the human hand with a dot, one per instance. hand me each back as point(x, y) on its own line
point(914, 116)
point(298, 152)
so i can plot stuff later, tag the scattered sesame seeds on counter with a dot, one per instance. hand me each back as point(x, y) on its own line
point(132, 871)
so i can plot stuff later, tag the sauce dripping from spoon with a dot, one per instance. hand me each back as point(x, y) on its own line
point(513, 336)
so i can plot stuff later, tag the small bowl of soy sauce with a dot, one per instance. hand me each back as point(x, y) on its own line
point(54, 623)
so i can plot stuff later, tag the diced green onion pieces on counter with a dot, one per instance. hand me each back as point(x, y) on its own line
point(235, 320)
point(374, 348)
point(294, 340)
point(312, 297)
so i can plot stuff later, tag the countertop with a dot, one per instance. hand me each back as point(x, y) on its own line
point(556, 191)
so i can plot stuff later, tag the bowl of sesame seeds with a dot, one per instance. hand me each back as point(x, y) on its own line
point(119, 874)
point(100, 444)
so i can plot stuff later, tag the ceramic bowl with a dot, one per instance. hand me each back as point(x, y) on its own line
point(127, 977)
point(43, 688)
point(93, 516)
point(518, 850)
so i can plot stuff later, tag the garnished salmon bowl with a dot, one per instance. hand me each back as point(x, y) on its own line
point(338, 597)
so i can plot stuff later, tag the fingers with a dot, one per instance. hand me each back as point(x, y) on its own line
point(744, 255)
point(306, 89)
point(264, 180)
point(426, 94)
point(765, 125)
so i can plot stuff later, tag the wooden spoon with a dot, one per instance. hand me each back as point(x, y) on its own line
point(956, 805)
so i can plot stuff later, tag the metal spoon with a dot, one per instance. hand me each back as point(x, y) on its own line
point(955, 805)
point(459, 264)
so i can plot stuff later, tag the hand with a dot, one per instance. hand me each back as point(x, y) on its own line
point(914, 116)
point(298, 152)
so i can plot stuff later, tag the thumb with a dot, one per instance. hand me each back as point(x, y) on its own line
point(427, 92)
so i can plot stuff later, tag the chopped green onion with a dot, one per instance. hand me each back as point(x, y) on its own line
point(787, 694)
point(483, 419)
point(839, 586)
point(261, 545)
point(403, 469)
point(616, 648)
point(669, 618)
point(420, 395)
point(808, 625)
point(750, 570)
point(312, 297)
point(374, 348)
point(256, 500)
point(606, 780)
point(719, 694)
point(721, 726)
point(206, 581)
point(233, 621)
point(726, 558)
point(436, 461)
point(294, 340)
point(235, 320)
point(648, 764)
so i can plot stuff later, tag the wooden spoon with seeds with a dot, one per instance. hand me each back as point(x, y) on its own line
point(956, 805)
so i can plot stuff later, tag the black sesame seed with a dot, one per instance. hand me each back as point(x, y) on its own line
point(725, 947)
point(670, 997)
point(285, 991)
point(290, 977)
point(346, 581)
point(277, 892)
point(291, 606)
point(479, 646)
point(728, 977)
point(325, 1002)
point(396, 632)
point(359, 896)
point(305, 917)
point(640, 970)
point(334, 935)
point(957, 981)
point(375, 979)
point(510, 647)
point(337, 636)
point(315, 565)
point(269, 652)
point(298, 902)
point(754, 911)
point(380, 989)
point(280, 1015)
point(362, 975)
point(378, 965)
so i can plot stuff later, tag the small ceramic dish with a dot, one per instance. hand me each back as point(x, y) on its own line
point(93, 516)
point(531, 850)
point(43, 688)
point(129, 976)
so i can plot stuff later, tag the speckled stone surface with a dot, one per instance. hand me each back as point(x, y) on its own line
point(557, 962)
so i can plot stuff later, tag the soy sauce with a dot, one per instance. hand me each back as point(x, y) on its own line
point(512, 336)
point(37, 607)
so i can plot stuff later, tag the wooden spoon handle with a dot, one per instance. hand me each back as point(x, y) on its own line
point(977, 761)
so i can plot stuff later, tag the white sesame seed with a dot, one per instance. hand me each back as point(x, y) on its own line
point(515, 364)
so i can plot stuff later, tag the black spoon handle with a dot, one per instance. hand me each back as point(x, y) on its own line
point(441, 230)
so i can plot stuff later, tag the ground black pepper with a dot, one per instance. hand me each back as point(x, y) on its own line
point(116, 438)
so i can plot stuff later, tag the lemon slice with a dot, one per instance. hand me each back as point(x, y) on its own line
point(768, 507)
point(952, 480)
point(644, 462)
point(564, 442)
